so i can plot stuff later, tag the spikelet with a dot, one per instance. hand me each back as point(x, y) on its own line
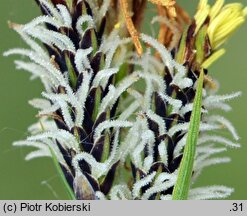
point(78, 120)
point(111, 139)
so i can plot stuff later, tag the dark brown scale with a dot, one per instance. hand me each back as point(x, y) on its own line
point(73, 35)
point(94, 183)
point(136, 172)
point(168, 191)
point(107, 86)
point(86, 41)
point(190, 94)
point(170, 148)
point(77, 13)
point(55, 2)
point(90, 102)
point(60, 121)
point(47, 12)
point(159, 167)
point(114, 109)
point(79, 81)
point(153, 126)
point(95, 62)
point(178, 138)
point(43, 9)
point(101, 30)
point(87, 122)
point(106, 185)
point(59, 57)
point(88, 8)
point(175, 163)
point(167, 77)
point(68, 175)
point(187, 116)
point(98, 148)
point(145, 188)
point(179, 94)
point(85, 167)
point(66, 154)
point(205, 71)
point(192, 75)
point(72, 113)
point(71, 57)
point(83, 138)
point(61, 124)
point(160, 105)
point(100, 119)
point(173, 119)
point(155, 149)
point(173, 52)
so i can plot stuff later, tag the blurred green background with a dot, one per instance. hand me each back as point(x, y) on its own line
point(37, 179)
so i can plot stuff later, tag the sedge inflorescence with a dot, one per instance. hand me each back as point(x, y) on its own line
point(115, 110)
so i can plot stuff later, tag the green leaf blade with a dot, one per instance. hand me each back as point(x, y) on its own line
point(182, 185)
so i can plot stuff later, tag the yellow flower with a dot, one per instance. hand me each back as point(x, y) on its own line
point(224, 20)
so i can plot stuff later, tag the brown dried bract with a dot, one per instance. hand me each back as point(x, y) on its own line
point(169, 35)
point(131, 28)
point(169, 4)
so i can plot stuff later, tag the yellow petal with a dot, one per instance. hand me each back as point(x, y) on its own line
point(214, 57)
point(216, 9)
